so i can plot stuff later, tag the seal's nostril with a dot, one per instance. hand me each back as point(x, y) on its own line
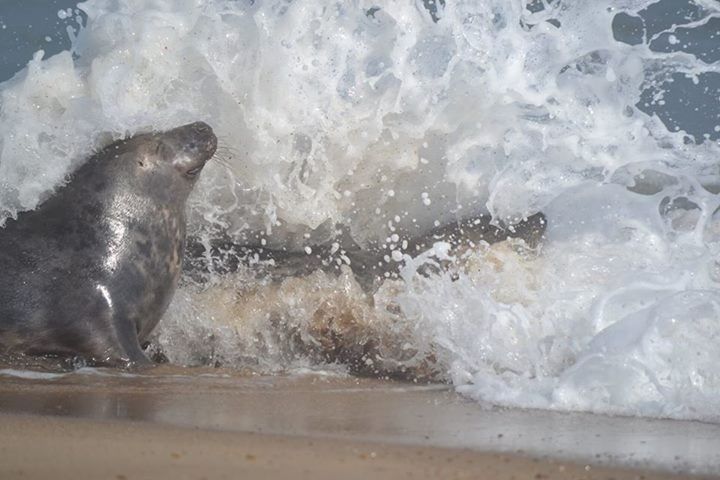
point(194, 171)
point(201, 127)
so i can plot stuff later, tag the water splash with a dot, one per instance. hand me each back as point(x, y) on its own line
point(389, 119)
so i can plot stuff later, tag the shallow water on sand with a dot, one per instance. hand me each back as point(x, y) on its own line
point(331, 405)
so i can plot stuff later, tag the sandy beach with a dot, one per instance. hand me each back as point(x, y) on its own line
point(50, 447)
point(199, 424)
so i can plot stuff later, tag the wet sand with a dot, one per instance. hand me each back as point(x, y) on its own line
point(210, 424)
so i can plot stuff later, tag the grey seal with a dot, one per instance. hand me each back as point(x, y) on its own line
point(222, 254)
point(90, 272)
point(338, 331)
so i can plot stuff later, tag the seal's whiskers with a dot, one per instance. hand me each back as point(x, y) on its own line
point(223, 156)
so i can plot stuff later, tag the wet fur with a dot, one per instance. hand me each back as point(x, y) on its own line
point(92, 270)
point(223, 254)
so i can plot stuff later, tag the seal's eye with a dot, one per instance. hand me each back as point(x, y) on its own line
point(194, 171)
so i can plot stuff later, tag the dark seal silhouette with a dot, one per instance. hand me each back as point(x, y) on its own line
point(91, 271)
point(221, 254)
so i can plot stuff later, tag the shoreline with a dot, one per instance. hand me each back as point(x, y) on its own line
point(40, 447)
point(87, 424)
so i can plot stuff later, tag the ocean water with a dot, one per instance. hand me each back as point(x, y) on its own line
point(391, 118)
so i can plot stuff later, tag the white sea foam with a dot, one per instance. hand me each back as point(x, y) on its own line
point(30, 374)
point(333, 111)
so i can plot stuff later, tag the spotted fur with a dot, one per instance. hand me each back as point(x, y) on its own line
point(92, 270)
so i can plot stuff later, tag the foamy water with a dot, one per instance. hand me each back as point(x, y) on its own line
point(372, 115)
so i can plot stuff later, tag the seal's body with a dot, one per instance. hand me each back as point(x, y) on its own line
point(222, 254)
point(92, 270)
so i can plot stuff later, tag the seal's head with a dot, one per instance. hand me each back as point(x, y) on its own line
point(188, 148)
point(173, 158)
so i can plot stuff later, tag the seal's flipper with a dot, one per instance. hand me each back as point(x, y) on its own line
point(125, 352)
point(132, 358)
point(113, 339)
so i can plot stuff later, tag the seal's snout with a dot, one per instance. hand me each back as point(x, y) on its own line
point(195, 145)
point(201, 128)
point(202, 139)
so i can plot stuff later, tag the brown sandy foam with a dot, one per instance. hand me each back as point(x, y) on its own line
point(38, 447)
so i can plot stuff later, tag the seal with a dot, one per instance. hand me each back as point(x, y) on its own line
point(320, 304)
point(222, 254)
point(90, 272)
